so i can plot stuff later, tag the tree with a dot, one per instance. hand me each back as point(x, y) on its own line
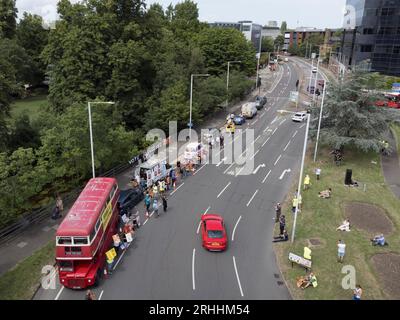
point(185, 20)
point(267, 44)
point(279, 41)
point(33, 38)
point(222, 45)
point(350, 117)
point(23, 134)
point(283, 27)
point(8, 16)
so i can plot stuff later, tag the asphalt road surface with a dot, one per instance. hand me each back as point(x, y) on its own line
point(167, 261)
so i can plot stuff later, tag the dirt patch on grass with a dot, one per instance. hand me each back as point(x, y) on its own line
point(315, 242)
point(368, 217)
point(387, 266)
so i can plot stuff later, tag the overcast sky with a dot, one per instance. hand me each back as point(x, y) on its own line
point(304, 13)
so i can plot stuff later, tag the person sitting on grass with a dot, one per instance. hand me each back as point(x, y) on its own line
point(379, 240)
point(345, 226)
point(282, 237)
point(305, 282)
point(326, 194)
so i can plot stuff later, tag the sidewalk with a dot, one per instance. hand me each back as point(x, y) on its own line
point(391, 167)
point(38, 235)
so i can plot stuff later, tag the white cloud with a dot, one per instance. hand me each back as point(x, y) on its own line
point(45, 8)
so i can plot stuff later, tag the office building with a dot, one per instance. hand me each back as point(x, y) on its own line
point(372, 35)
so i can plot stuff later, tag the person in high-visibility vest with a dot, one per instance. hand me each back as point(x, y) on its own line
point(295, 203)
point(306, 182)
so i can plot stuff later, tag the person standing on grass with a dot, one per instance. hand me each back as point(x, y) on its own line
point(341, 250)
point(282, 224)
point(306, 182)
point(278, 211)
point(357, 293)
point(318, 173)
point(295, 203)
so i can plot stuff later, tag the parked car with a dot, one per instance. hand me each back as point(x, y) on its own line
point(299, 116)
point(314, 70)
point(129, 199)
point(239, 120)
point(260, 102)
point(249, 110)
point(213, 233)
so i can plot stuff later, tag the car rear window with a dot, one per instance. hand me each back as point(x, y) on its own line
point(214, 234)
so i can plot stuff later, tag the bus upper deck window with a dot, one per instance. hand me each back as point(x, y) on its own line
point(64, 240)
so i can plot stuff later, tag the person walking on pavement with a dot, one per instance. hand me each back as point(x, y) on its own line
point(341, 250)
point(147, 202)
point(155, 207)
point(164, 202)
point(282, 224)
point(59, 203)
point(155, 191)
point(173, 179)
point(278, 211)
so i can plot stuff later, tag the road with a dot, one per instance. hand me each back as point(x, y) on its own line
point(166, 261)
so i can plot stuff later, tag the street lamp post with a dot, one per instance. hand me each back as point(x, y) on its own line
point(258, 60)
point(319, 122)
point(301, 174)
point(227, 80)
point(191, 101)
point(316, 79)
point(91, 131)
point(311, 74)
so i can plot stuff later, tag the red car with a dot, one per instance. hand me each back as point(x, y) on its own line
point(213, 232)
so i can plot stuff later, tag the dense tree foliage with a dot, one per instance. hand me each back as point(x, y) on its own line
point(350, 117)
point(116, 50)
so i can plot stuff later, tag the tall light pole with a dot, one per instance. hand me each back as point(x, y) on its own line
point(311, 74)
point(91, 131)
point(316, 78)
point(227, 80)
point(319, 122)
point(191, 101)
point(301, 174)
point(258, 60)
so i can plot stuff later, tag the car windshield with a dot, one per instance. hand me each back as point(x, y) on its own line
point(298, 115)
point(214, 234)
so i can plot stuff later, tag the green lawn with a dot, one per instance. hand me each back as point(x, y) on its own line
point(31, 106)
point(21, 282)
point(320, 218)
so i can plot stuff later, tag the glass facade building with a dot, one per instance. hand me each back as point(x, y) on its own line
point(372, 34)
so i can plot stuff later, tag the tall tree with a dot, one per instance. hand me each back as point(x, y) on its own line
point(33, 38)
point(279, 41)
point(350, 117)
point(8, 16)
point(283, 27)
point(267, 44)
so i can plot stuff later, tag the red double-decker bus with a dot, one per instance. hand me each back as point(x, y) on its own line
point(85, 235)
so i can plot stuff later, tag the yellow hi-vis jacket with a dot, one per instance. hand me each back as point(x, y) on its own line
point(295, 202)
point(307, 180)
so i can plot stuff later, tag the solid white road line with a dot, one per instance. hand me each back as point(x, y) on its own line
point(205, 212)
point(254, 154)
point(274, 131)
point(282, 122)
point(277, 160)
point(101, 294)
point(234, 229)
point(302, 125)
point(266, 129)
point(294, 134)
point(262, 115)
point(241, 169)
point(266, 141)
point(193, 280)
point(266, 177)
point(228, 168)
point(248, 203)
point(122, 254)
point(224, 190)
point(59, 293)
point(237, 276)
point(145, 221)
point(256, 139)
point(287, 145)
point(200, 169)
point(178, 188)
point(273, 121)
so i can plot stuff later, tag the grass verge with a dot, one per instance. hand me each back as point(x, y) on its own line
point(21, 282)
point(319, 218)
point(31, 106)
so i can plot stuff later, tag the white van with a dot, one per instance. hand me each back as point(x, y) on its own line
point(249, 110)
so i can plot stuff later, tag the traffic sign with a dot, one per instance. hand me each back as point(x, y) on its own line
point(294, 96)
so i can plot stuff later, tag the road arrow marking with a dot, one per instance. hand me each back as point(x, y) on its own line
point(283, 173)
point(258, 168)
